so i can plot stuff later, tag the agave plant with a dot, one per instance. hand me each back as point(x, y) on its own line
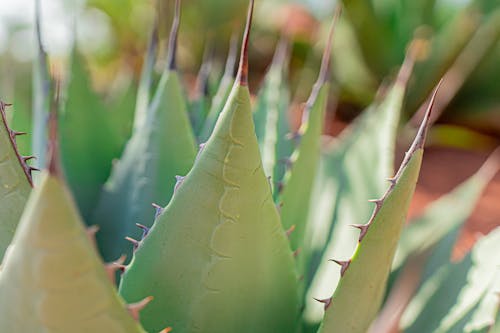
point(245, 233)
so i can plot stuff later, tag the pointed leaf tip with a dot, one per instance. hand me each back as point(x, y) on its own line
point(174, 34)
point(242, 77)
point(326, 59)
point(426, 122)
point(54, 159)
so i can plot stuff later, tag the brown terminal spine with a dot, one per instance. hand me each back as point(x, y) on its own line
point(242, 77)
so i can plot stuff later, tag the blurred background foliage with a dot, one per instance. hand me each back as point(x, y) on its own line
point(459, 39)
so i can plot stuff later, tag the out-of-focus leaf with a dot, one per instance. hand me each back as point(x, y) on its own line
point(89, 142)
point(15, 183)
point(353, 170)
point(144, 89)
point(217, 258)
point(271, 116)
point(443, 50)
point(163, 148)
point(220, 97)
point(42, 289)
point(299, 180)
point(41, 91)
point(481, 44)
point(459, 296)
point(372, 34)
point(361, 288)
point(445, 214)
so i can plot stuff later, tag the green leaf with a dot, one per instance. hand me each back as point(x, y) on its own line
point(51, 279)
point(89, 142)
point(444, 49)
point(144, 90)
point(361, 288)
point(459, 296)
point(15, 183)
point(198, 108)
point(299, 181)
point(217, 258)
point(146, 173)
point(222, 94)
point(271, 116)
point(41, 91)
point(448, 213)
point(353, 169)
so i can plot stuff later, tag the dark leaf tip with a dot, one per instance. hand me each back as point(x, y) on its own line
point(242, 77)
point(174, 34)
point(326, 59)
point(54, 162)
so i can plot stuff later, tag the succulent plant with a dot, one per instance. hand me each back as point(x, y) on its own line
point(245, 233)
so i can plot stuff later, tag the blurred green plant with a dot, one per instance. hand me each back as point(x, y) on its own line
point(245, 231)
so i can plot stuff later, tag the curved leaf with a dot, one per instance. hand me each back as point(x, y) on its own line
point(361, 288)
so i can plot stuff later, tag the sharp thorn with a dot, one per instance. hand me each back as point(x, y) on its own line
point(159, 209)
point(15, 133)
point(363, 228)
point(166, 330)
point(135, 308)
point(326, 301)
point(31, 169)
point(91, 231)
point(377, 202)
point(343, 265)
point(115, 266)
point(27, 158)
point(133, 241)
point(145, 230)
point(178, 184)
point(290, 230)
point(391, 180)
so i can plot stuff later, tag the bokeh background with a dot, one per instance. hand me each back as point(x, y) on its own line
point(459, 39)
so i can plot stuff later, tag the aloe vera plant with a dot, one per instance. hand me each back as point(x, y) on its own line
point(238, 240)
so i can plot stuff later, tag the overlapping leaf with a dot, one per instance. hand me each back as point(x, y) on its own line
point(361, 288)
point(161, 149)
point(51, 279)
point(299, 181)
point(353, 170)
point(458, 296)
point(217, 258)
point(271, 116)
point(89, 142)
point(446, 214)
point(220, 97)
